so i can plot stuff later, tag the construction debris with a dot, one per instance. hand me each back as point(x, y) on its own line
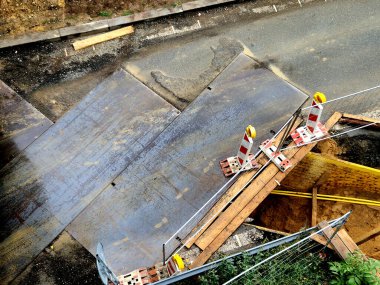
point(103, 37)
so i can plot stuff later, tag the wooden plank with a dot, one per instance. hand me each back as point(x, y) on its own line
point(231, 192)
point(209, 235)
point(348, 241)
point(268, 230)
point(314, 207)
point(103, 37)
point(359, 118)
point(375, 126)
point(322, 240)
point(338, 245)
point(368, 235)
point(228, 215)
point(295, 154)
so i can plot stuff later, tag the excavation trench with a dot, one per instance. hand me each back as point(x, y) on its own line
point(290, 214)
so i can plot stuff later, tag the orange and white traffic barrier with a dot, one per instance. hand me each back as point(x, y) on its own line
point(244, 156)
point(175, 265)
point(246, 145)
point(277, 157)
point(315, 112)
point(314, 129)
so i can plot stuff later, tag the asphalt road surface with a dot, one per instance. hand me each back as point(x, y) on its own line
point(330, 46)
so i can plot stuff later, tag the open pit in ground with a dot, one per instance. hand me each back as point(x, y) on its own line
point(290, 214)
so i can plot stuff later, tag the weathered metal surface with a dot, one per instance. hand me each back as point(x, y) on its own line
point(58, 175)
point(20, 124)
point(180, 171)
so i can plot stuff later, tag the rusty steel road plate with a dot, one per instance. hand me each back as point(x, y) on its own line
point(20, 124)
point(176, 174)
point(58, 175)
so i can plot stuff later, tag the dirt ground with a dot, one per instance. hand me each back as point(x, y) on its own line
point(18, 16)
point(53, 77)
point(290, 214)
point(63, 262)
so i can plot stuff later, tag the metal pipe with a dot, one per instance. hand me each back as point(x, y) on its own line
point(327, 197)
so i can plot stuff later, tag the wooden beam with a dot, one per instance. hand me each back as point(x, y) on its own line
point(376, 126)
point(341, 241)
point(252, 196)
point(368, 235)
point(102, 37)
point(322, 240)
point(336, 242)
point(359, 118)
point(268, 230)
point(348, 241)
point(231, 192)
point(314, 207)
point(317, 238)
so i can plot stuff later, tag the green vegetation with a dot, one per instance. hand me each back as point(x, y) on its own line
point(309, 269)
point(297, 266)
point(176, 4)
point(355, 270)
point(127, 13)
point(105, 13)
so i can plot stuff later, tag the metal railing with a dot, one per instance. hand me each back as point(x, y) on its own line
point(337, 224)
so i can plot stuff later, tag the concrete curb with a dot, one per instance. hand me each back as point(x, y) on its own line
point(109, 24)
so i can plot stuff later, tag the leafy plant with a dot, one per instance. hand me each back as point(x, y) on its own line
point(105, 13)
point(355, 270)
point(227, 269)
point(307, 269)
point(210, 278)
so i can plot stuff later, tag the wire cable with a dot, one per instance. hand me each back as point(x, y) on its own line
point(345, 96)
point(329, 137)
point(278, 253)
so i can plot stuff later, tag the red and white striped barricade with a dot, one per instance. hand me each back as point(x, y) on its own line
point(314, 129)
point(275, 156)
point(244, 156)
